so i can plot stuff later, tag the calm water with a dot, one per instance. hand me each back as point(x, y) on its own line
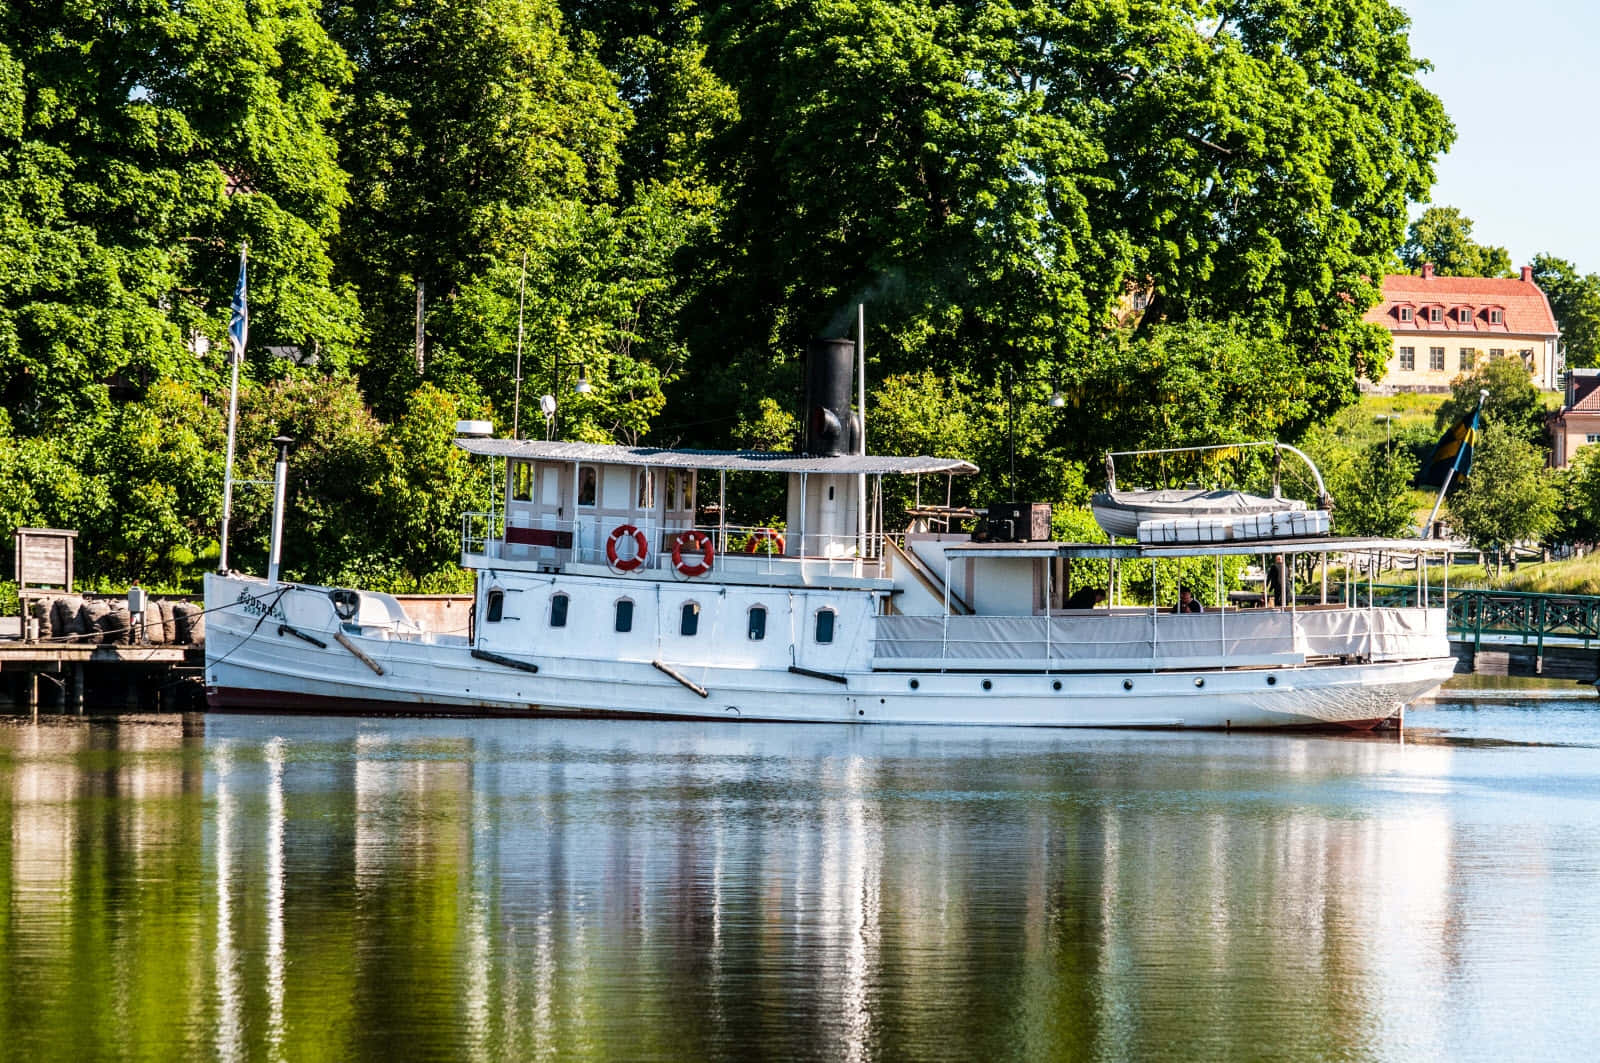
point(259, 888)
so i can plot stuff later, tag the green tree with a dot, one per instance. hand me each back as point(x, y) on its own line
point(993, 179)
point(1509, 497)
point(1575, 301)
point(1443, 236)
point(1515, 402)
point(137, 148)
point(475, 133)
point(1372, 492)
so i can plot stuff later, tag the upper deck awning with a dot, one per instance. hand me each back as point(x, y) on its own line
point(1230, 548)
point(728, 460)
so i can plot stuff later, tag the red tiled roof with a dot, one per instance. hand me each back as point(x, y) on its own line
point(1526, 310)
point(1587, 395)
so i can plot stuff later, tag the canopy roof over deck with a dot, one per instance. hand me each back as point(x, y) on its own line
point(1228, 548)
point(729, 460)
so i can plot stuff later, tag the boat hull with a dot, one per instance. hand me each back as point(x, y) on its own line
point(263, 660)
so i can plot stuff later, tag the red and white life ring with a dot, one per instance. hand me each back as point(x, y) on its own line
point(695, 540)
point(641, 548)
point(761, 537)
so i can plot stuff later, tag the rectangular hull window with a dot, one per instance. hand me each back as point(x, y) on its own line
point(758, 623)
point(825, 625)
point(689, 623)
point(558, 610)
point(624, 614)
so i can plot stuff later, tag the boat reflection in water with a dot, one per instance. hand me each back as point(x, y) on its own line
point(246, 887)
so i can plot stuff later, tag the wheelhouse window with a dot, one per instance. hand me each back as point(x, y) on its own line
point(588, 481)
point(558, 610)
point(624, 615)
point(757, 627)
point(689, 619)
point(522, 481)
point(646, 489)
point(824, 631)
point(495, 607)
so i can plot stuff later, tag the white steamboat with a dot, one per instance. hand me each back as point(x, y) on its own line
point(598, 593)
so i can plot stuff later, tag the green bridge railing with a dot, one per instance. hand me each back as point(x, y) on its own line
point(1472, 613)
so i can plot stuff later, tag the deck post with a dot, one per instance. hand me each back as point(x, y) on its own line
point(33, 693)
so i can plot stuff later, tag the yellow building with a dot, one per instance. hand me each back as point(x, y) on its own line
point(1444, 326)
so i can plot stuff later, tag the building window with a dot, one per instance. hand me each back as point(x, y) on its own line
point(757, 629)
point(1463, 314)
point(522, 481)
point(1592, 437)
point(495, 607)
point(1495, 317)
point(1436, 358)
point(1408, 358)
point(587, 483)
point(825, 626)
point(624, 614)
point(1497, 352)
point(689, 619)
point(558, 610)
point(1436, 314)
point(1405, 313)
point(1468, 358)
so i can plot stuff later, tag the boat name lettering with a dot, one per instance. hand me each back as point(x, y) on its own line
point(256, 607)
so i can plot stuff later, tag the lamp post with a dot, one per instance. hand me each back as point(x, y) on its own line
point(1388, 420)
point(548, 403)
point(1056, 401)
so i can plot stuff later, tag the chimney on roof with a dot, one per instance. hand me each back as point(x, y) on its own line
point(1427, 270)
point(1527, 274)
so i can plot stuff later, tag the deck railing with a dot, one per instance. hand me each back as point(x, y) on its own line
point(485, 535)
point(1530, 616)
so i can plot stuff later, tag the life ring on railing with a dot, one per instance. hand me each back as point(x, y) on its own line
point(695, 540)
point(763, 536)
point(641, 548)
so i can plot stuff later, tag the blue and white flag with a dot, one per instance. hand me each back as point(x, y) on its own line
point(239, 327)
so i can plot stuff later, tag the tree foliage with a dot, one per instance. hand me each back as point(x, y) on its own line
point(995, 179)
point(1515, 402)
point(1443, 236)
point(1575, 300)
point(1372, 492)
point(670, 199)
point(1509, 496)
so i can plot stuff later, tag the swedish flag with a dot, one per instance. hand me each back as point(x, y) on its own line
point(1454, 452)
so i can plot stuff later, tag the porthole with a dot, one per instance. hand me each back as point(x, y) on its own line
point(1199, 682)
point(1272, 680)
point(988, 685)
point(1127, 684)
point(1056, 685)
point(915, 684)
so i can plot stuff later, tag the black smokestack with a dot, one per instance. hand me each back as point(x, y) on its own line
point(829, 427)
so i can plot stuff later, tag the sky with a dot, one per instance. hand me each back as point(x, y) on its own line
point(1520, 80)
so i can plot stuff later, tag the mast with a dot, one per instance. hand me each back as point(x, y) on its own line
point(238, 332)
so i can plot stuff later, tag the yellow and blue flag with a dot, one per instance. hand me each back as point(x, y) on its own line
point(1452, 458)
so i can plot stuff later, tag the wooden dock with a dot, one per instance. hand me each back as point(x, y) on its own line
point(67, 677)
